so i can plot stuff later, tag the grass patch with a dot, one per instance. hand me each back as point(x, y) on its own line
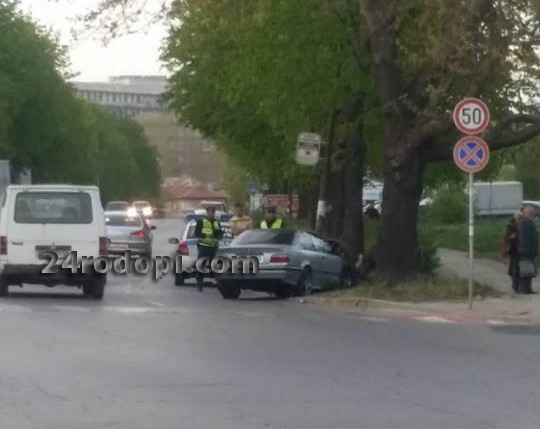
point(488, 236)
point(489, 233)
point(423, 289)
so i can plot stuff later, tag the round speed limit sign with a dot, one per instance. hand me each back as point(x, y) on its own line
point(471, 116)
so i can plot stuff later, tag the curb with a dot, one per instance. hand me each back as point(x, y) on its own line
point(410, 311)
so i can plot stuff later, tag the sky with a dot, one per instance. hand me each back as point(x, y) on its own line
point(135, 54)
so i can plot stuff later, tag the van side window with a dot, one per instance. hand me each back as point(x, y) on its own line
point(53, 207)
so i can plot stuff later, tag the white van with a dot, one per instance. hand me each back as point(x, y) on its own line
point(58, 218)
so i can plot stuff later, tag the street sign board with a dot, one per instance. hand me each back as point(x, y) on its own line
point(252, 187)
point(283, 203)
point(308, 148)
point(471, 154)
point(471, 116)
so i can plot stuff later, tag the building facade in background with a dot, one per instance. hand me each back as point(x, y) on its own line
point(128, 95)
point(183, 151)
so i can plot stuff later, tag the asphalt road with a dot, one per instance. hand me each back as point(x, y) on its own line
point(155, 356)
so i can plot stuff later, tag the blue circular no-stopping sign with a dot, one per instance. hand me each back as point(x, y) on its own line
point(471, 154)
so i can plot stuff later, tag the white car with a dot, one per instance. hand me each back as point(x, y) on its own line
point(36, 219)
point(143, 208)
point(534, 204)
point(187, 249)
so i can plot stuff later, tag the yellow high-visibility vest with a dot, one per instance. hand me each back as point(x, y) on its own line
point(278, 223)
point(208, 233)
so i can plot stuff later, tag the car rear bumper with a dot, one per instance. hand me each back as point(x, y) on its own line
point(267, 279)
point(119, 247)
point(32, 274)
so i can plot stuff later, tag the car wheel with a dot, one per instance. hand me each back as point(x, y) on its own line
point(179, 279)
point(304, 286)
point(98, 287)
point(283, 293)
point(229, 290)
point(4, 288)
point(347, 280)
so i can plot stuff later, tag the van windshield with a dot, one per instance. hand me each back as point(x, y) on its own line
point(53, 207)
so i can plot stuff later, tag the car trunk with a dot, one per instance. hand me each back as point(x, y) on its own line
point(262, 251)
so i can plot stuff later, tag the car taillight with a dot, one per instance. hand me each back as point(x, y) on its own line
point(3, 245)
point(103, 246)
point(139, 234)
point(279, 259)
point(183, 248)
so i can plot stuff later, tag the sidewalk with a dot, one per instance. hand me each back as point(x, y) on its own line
point(508, 309)
point(455, 264)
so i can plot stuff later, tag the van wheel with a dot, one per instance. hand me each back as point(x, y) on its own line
point(179, 279)
point(4, 288)
point(98, 287)
point(229, 290)
point(87, 289)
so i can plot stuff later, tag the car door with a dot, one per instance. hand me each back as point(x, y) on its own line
point(330, 267)
point(310, 256)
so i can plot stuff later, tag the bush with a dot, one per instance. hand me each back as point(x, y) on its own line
point(449, 206)
point(428, 255)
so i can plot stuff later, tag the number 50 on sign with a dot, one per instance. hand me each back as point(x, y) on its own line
point(471, 116)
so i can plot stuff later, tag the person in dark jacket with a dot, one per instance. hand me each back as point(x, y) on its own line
point(510, 249)
point(209, 232)
point(528, 246)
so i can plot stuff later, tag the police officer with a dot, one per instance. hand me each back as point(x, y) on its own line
point(209, 232)
point(271, 220)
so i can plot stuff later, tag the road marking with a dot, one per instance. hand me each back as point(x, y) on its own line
point(434, 319)
point(158, 304)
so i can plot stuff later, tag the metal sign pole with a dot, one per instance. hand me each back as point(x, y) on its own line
point(471, 239)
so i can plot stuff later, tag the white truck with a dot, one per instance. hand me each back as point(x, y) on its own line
point(497, 198)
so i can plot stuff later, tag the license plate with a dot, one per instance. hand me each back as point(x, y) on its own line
point(118, 246)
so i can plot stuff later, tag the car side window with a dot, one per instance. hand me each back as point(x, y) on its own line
point(305, 241)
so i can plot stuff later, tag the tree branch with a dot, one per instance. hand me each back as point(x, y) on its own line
point(504, 135)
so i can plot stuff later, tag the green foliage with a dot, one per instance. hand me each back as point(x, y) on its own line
point(528, 169)
point(252, 75)
point(62, 139)
point(449, 205)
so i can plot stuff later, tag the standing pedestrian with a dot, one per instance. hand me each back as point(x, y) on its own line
point(528, 249)
point(510, 249)
point(272, 220)
point(240, 221)
point(209, 232)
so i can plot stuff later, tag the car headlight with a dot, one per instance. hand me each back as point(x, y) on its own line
point(147, 211)
point(132, 211)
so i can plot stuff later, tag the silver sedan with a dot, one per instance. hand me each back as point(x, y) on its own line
point(291, 262)
point(128, 232)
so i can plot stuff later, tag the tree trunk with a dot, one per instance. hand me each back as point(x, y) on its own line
point(353, 221)
point(337, 203)
point(324, 191)
point(398, 252)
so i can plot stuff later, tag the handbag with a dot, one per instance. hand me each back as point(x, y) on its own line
point(527, 269)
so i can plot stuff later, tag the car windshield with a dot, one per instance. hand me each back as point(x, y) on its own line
point(117, 206)
point(53, 207)
point(123, 220)
point(140, 205)
point(262, 236)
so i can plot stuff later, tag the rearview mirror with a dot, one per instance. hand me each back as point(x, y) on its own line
point(174, 240)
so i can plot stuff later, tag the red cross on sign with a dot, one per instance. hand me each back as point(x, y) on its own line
point(471, 154)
